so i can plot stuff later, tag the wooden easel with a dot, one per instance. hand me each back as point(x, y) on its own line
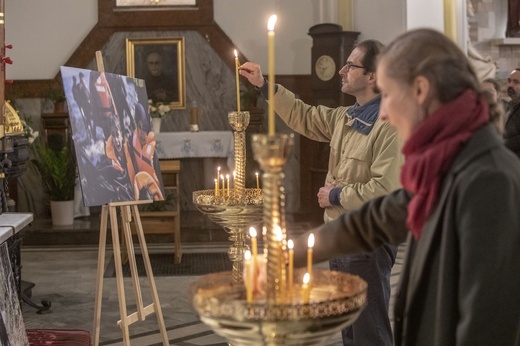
point(128, 211)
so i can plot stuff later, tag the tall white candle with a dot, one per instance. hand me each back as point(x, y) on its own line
point(310, 244)
point(249, 277)
point(305, 288)
point(270, 56)
point(237, 74)
point(254, 244)
point(290, 245)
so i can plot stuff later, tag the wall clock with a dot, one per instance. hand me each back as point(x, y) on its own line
point(325, 67)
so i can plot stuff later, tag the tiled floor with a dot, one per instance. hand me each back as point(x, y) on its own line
point(66, 276)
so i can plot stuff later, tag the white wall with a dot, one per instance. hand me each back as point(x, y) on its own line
point(245, 22)
point(382, 20)
point(46, 33)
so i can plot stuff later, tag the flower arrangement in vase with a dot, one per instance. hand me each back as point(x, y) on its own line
point(157, 111)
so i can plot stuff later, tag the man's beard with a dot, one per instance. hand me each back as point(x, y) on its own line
point(514, 97)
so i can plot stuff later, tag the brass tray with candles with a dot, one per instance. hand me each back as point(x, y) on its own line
point(233, 211)
point(336, 299)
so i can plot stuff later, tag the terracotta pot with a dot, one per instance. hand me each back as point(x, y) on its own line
point(60, 107)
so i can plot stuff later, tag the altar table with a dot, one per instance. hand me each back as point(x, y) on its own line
point(200, 154)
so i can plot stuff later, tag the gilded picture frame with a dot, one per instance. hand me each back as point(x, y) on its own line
point(160, 62)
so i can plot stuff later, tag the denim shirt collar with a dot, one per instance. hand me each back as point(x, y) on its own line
point(365, 116)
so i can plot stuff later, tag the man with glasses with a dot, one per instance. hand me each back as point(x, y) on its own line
point(364, 163)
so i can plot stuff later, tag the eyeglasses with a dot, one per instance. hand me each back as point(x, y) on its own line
point(349, 65)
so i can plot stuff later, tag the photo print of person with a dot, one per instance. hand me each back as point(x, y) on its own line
point(113, 138)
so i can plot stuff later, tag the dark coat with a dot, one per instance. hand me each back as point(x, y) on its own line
point(512, 130)
point(461, 279)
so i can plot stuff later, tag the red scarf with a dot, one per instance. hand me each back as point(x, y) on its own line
point(431, 149)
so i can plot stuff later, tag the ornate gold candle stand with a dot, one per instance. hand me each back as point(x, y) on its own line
point(336, 300)
point(239, 208)
point(278, 316)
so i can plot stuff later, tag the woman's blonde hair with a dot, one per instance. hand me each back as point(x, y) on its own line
point(429, 53)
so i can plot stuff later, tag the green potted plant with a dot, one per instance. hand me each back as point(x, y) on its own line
point(58, 171)
point(57, 96)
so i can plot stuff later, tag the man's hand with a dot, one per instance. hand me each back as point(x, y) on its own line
point(323, 195)
point(253, 73)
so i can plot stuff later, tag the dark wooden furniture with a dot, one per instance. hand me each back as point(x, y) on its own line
point(56, 128)
point(331, 47)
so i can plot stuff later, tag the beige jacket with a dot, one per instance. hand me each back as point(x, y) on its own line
point(366, 166)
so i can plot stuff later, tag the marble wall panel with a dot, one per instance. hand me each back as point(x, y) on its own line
point(209, 82)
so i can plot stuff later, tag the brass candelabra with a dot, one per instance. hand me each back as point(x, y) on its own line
point(238, 208)
point(279, 315)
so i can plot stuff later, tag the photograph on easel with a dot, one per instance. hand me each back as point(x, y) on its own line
point(112, 136)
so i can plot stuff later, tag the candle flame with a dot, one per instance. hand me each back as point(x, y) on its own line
point(306, 278)
point(227, 176)
point(264, 230)
point(236, 53)
point(222, 176)
point(271, 22)
point(252, 232)
point(290, 244)
point(247, 255)
point(310, 241)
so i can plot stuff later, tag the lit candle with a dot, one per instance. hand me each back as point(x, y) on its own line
point(290, 245)
point(227, 181)
point(216, 188)
point(223, 185)
point(249, 277)
point(237, 74)
point(218, 173)
point(310, 244)
point(254, 247)
point(305, 288)
point(257, 181)
point(270, 55)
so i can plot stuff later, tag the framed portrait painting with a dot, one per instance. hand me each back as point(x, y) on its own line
point(160, 63)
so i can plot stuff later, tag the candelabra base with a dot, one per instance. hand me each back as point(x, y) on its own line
point(335, 302)
point(235, 213)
